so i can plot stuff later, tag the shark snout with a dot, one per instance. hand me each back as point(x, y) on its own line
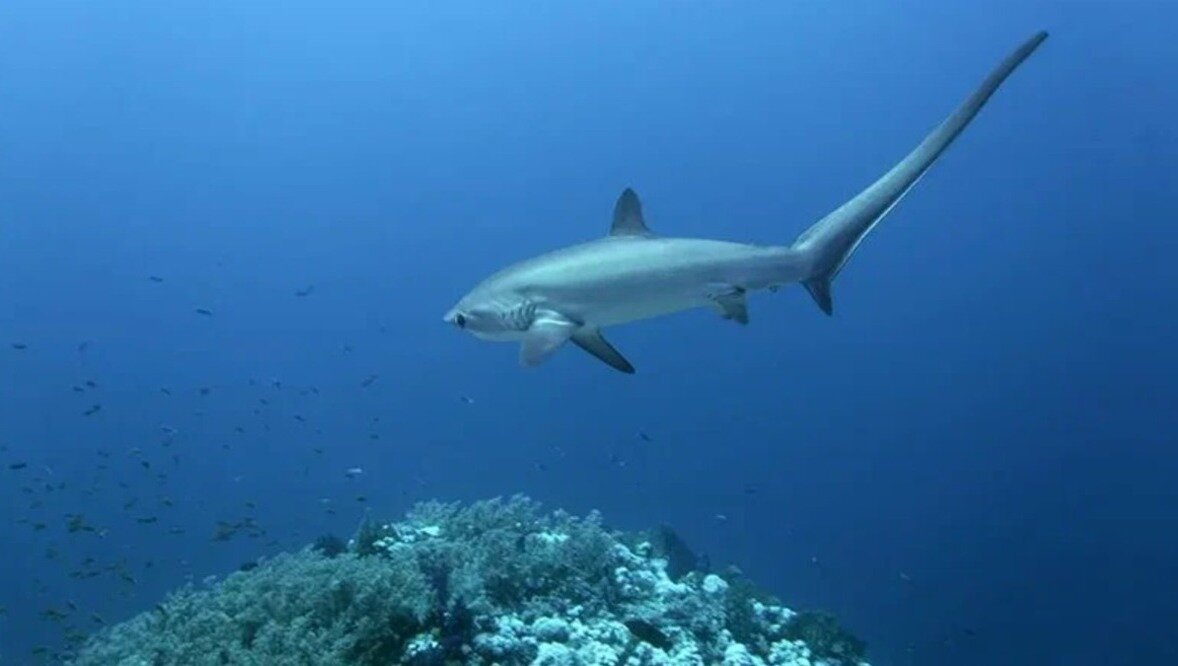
point(455, 318)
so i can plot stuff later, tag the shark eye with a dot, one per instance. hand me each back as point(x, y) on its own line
point(460, 320)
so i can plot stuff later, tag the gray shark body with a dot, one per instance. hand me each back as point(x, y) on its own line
point(631, 274)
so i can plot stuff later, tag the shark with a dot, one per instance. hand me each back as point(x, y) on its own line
point(573, 293)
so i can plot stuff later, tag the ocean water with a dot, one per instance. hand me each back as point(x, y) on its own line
point(972, 462)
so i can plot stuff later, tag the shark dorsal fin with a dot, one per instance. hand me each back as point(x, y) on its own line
point(628, 216)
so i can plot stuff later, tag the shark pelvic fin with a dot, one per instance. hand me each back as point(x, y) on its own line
point(732, 304)
point(547, 333)
point(628, 219)
point(591, 340)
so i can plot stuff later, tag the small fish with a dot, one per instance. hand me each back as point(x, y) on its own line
point(466, 399)
point(644, 437)
point(155, 278)
point(94, 409)
point(165, 390)
point(305, 291)
point(76, 522)
point(18, 465)
point(204, 390)
point(147, 520)
point(647, 632)
point(83, 346)
point(19, 346)
point(204, 311)
point(353, 472)
point(369, 381)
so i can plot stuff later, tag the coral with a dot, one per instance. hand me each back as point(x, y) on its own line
point(368, 534)
point(329, 545)
point(741, 602)
point(294, 609)
point(825, 638)
point(671, 547)
point(496, 582)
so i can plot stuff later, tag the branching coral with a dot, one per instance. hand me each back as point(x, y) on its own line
point(496, 582)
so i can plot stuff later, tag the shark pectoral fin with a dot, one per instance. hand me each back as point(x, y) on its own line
point(546, 334)
point(732, 304)
point(591, 340)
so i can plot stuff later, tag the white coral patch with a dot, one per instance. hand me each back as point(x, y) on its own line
point(555, 654)
point(737, 654)
point(551, 629)
point(714, 585)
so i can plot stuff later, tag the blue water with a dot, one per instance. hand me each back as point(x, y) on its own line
point(973, 462)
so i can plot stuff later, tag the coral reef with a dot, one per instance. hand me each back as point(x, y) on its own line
point(496, 582)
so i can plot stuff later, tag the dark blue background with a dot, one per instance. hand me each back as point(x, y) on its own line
point(990, 413)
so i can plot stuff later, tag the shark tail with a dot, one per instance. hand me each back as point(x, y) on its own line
point(829, 243)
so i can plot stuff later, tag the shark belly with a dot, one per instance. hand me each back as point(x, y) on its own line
point(617, 313)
